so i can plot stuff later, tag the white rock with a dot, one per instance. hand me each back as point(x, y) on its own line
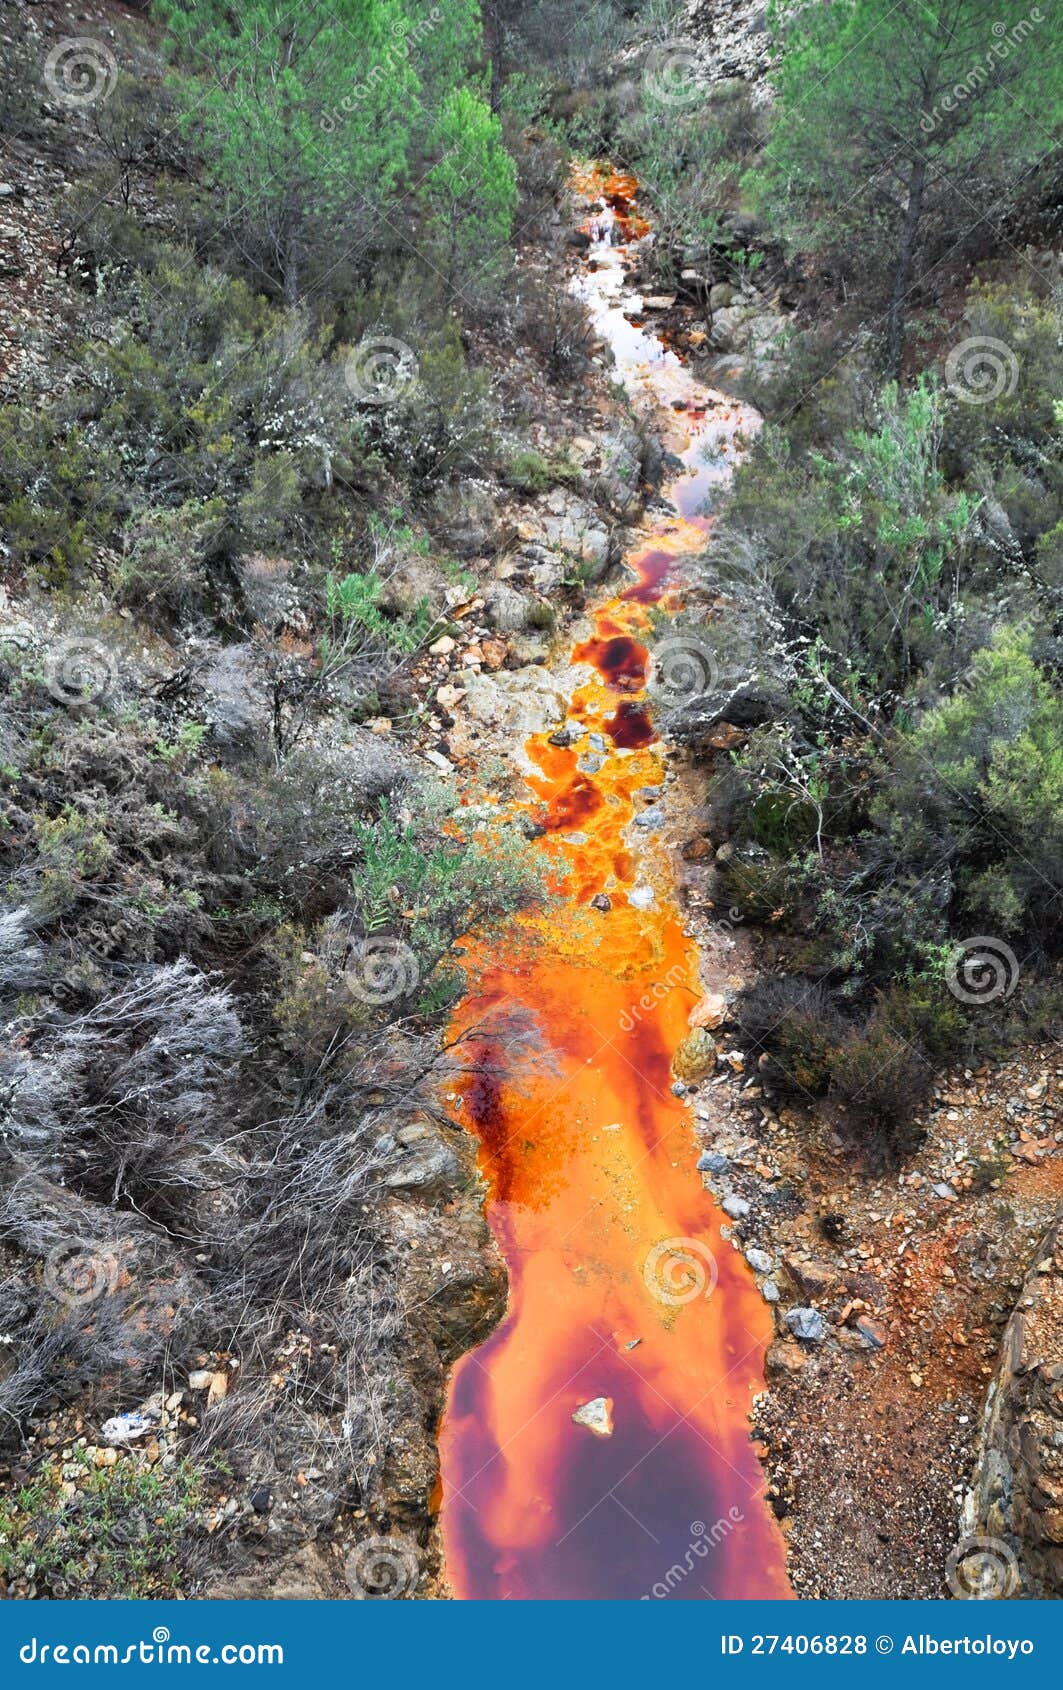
point(596, 1416)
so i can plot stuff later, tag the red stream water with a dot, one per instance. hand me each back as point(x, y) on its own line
point(620, 1285)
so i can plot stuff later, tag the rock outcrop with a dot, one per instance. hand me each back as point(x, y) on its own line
point(1013, 1513)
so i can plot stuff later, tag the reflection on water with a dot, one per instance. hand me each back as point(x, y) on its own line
point(620, 1286)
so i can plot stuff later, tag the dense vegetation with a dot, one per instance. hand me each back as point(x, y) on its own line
point(316, 266)
point(235, 511)
point(887, 569)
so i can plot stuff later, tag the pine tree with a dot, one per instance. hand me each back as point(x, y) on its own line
point(899, 127)
point(471, 191)
point(447, 48)
point(303, 113)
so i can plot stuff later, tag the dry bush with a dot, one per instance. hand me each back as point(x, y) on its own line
point(123, 1100)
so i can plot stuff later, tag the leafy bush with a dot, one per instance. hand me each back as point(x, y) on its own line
point(60, 494)
point(557, 326)
point(173, 563)
point(128, 1533)
point(795, 1024)
point(354, 603)
point(812, 1048)
point(438, 426)
point(1009, 444)
point(209, 393)
point(529, 472)
point(881, 1080)
point(434, 878)
point(853, 545)
point(984, 773)
point(680, 160)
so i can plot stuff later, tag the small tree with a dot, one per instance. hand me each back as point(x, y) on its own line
point(470, 194)
point(305, 118)
point(985, 769)
point(899, 126)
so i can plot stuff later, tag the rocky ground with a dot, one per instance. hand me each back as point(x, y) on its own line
point(1016, 1493)
point(529, 547)
point(890, 1291)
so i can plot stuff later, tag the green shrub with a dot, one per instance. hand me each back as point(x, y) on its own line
point(877, 1074)
point(173, 561)
point(985, 768)
point(529, 472)
point(435, 878)
point(354, 604)
point(881, 1081)
point(439, 426)
point(758, 887)
point(73, 851)
point(680, 158)
point(207, 393)
point(557, 325)
point(920, 1011)
point(60, 493)
point(127, 1532)
point(795, 1024)
point(1018, 426)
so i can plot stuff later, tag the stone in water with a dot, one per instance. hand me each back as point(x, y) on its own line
point(597, 1416)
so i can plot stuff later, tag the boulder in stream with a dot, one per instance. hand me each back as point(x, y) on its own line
point(596, 1416)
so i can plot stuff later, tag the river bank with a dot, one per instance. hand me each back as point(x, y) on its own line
point(886, 1294)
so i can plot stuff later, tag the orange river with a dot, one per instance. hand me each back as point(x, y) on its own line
point(621, 1287)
